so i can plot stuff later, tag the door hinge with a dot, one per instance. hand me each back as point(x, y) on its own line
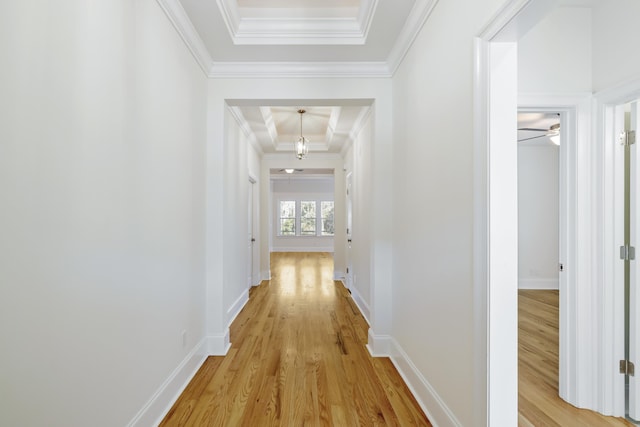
point(627, 253)
point(627, 368)
point(628, 137)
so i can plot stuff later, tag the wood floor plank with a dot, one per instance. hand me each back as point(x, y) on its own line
point(538, 400)
point(298, 358)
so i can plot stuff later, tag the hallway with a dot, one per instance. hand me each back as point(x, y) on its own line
point(298, 357)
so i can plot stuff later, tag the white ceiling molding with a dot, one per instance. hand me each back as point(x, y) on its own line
point(270, 124)
point(378, 69)
point(333, 121)
point(299, 69)
point(358, 124)
point(183, 25)
point(329, 26)
point(417, 18)
point(236, 113)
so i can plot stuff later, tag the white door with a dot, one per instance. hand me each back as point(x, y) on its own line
point(251, 239)
point(349, 229)
point(634, 267)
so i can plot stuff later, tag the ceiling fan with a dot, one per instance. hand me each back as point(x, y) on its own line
point(553, 133)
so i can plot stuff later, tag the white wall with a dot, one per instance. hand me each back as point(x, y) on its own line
point(102, 131)
point(615, 37)
point(318, 189)
point(555, 55)
point(538, 216)
point(433, 308)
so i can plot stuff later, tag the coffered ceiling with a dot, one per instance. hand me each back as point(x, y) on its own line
point(298, 38)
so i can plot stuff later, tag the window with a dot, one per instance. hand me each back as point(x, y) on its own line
point(308, 218)
point(288, 218)
point(326, 209)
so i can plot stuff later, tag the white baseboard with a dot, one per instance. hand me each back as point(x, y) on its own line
point(339, 275)
point(433, 406)
point(265, 275)
point(303, 249)
point(538, 283)
point(237, 306)
point(218, 344)
point(361, 303)
point(163, 399)
point(379, 345)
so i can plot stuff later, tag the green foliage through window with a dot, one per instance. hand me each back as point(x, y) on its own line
point(288, 218)
point(314, 218)
point(327, 218)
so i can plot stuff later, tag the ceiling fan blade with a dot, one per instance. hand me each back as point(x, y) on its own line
point(534, 129)
point(533, 137)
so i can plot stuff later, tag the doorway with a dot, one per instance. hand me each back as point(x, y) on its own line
point(253, 257)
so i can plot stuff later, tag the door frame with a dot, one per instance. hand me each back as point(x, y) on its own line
point(611, 213)
point(575, 111)
point(495, 216)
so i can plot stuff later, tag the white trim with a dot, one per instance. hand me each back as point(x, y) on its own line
point(415, 21)
point(303, 249)
point(183, 25)
point(361, 303)
point(244, 126)
point(163, 399)
point(431, 403)
point(608, 300)
point(339, 276)
point(577, 323)
point(237, 306)
point(218, 344)
point(538, 283)
point(236, 70)
point(265, 275)
point(379, 345)
point(293, 28)
point(495, 239)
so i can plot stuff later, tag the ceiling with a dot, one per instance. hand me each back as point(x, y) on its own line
point(300, 38)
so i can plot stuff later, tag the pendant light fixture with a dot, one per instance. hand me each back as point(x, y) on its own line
point(302, 144)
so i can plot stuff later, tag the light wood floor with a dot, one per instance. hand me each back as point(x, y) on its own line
point(538, 400)
point(297, 358)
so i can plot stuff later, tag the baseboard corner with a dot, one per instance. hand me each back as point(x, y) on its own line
point(157, 407)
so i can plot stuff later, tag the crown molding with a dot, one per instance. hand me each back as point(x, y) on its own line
point(358, 125)
point(419, 15)
point(244, 126)
point(295, 28)
point(299, 69)
point(374, 69)
point(180, 20)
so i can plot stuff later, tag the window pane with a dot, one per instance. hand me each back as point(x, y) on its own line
point(327, 218)
point(288, 226)
point(288, 218)
point(308, 209)
point(308, 226)
point(288, 209)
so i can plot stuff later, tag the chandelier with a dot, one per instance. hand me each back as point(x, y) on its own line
point(302, 144)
